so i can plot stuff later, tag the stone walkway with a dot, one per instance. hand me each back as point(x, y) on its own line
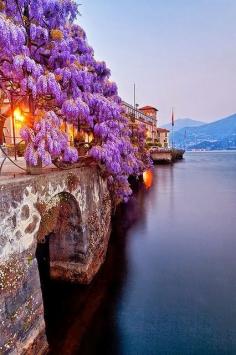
point(11, 171)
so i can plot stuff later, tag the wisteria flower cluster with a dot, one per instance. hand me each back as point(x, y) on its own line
point(142, 154)
point(45, 54)
point(46, 141)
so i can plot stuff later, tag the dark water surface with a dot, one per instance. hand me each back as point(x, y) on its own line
point(169, 283)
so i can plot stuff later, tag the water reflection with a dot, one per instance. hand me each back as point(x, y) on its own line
point(148, 178)
point(168, 285)
point(77, 314)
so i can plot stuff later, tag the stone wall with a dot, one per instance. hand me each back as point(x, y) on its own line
point(162, 156)
point(71, 208)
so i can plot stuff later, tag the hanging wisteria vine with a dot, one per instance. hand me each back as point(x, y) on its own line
point(45, 56)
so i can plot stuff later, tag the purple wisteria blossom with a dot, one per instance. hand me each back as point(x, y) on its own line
point(47, 57)
point(46, 141)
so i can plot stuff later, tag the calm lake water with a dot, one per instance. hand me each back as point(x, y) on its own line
point(169, 283)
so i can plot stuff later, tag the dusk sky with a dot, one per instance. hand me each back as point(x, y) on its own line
point(180, 53)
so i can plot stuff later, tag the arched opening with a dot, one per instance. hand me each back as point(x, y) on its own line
point(60, 239)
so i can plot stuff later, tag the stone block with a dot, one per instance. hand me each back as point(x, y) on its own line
point(75, 209)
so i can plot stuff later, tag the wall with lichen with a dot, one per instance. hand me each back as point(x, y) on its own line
point(31, 208)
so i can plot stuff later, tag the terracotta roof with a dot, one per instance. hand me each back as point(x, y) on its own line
point(148, 108)
point(162, 130)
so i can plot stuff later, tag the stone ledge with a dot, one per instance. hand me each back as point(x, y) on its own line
point(80, 273)
point(37, 346)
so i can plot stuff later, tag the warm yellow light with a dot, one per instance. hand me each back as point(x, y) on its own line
point(90, 137)
point(18, 116)
point(148, 178)
point(70, 131)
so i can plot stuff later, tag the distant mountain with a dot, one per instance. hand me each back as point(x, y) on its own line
point(182, 123)
point(228, 143)
point(220, 134)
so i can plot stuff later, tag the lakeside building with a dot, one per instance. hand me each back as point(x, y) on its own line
point(150, 111)
point(10, 126)
point(7, 129)
point(148, 115)
point(163, 137)
point(143, 115)
point(5, 123)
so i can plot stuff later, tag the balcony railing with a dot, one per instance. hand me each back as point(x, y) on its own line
point(135, 114)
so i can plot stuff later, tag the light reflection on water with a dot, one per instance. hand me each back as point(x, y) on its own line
point(148, 178)
point(169, 283)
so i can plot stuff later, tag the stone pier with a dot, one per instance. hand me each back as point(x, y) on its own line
point(167, 155)
point(72, 210)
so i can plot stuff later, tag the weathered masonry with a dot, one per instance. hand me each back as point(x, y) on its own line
point(70, 208)
point(167, 155)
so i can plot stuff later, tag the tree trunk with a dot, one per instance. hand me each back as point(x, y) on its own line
point(2, 123)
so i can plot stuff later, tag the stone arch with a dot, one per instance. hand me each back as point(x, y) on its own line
point(62, 228)
point(26, 209)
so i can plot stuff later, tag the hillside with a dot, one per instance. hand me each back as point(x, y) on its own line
point(220, 134)
point(182, 123)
